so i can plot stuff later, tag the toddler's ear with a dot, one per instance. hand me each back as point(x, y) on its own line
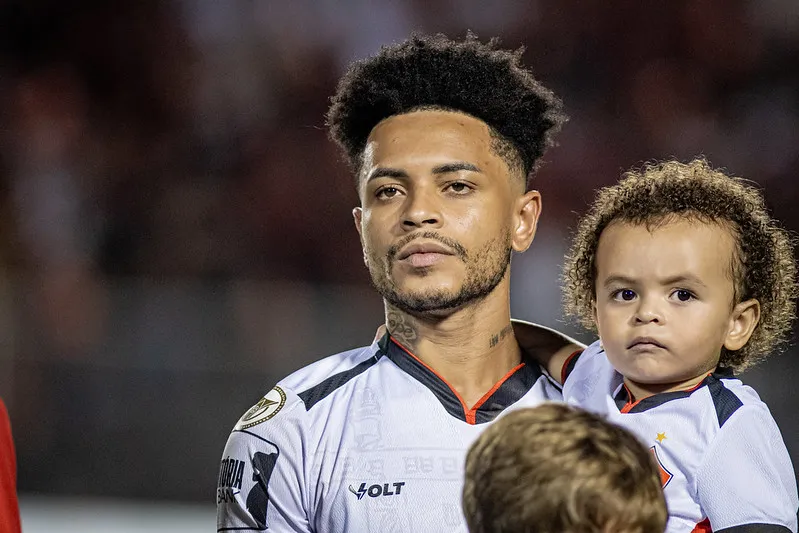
point(743, 320)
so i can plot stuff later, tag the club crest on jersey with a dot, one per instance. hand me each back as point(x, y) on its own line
point(266, 408)
point(665, 475)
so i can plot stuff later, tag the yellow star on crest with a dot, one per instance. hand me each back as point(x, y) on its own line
point(661, 437)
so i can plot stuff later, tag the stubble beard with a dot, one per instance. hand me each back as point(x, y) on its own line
point(485, 269)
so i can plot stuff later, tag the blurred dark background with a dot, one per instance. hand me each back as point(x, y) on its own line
point(176, 228)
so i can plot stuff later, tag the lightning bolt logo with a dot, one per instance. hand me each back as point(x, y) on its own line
point(361, 492)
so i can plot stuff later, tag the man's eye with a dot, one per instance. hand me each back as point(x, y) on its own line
point(459, 187)
point(624, 294)
point(387, 192)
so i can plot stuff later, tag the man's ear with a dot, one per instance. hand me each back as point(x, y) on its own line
point(743, 320)
point(357, 216)
point(525, 220)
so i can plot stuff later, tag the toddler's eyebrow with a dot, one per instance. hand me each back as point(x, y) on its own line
point(617, 279)
point(683, 278)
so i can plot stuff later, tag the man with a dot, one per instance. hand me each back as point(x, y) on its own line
point(442, 137)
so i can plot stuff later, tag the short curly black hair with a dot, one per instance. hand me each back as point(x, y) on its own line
point(434, 72)
point(764, 267)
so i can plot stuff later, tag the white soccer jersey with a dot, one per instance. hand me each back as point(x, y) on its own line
point(722, 460)
point(366, 440)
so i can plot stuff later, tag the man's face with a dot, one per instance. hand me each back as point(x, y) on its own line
point(440, 211)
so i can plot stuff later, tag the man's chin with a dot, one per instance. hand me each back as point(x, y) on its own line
point(436, 295)
point(426, 307)
point(430, 303)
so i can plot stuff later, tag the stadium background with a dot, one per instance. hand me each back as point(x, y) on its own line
point(176, 229)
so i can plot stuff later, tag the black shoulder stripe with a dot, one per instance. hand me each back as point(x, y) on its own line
point(319, 392)
point(755, 528)
point(725, 401)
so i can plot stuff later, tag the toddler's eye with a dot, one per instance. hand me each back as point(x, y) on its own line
point(683, 295)
point(624, 294)
point(627, 295)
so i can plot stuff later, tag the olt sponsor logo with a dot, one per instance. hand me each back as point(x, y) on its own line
point(377, 490)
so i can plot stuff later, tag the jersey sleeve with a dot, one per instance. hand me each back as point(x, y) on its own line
point(746, 481)
point(569, 364)
point(583, 361)
point(261, 483)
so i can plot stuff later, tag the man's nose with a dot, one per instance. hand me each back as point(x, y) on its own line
point(422, 209)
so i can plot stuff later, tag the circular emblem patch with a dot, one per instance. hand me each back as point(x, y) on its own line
point(265, 409)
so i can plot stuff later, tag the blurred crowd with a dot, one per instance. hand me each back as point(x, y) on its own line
point(185, 139)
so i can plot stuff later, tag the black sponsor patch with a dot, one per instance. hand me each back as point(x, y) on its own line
point(263, 464)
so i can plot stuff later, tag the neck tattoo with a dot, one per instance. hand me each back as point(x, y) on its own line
point(504, 332)
point(401, 328)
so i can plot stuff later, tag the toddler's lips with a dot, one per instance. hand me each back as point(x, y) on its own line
point(645, 342)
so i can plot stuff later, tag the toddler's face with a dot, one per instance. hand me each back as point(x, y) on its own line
point(664, 299)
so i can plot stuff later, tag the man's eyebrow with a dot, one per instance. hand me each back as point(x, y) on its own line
point(455, 167)
point(386, 172)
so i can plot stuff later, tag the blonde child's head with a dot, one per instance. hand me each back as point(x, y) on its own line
point(557, 469)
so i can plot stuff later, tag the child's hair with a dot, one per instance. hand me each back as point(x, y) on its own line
point(763, 266)
point(557, 469)
point(434, 72)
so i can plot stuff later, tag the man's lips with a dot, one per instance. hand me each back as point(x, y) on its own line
point(429, 247)
point(645, 342)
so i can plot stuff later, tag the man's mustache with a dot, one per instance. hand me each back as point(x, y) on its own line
point(453, 245)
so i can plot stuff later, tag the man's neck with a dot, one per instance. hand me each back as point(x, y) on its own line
point(472, 348)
